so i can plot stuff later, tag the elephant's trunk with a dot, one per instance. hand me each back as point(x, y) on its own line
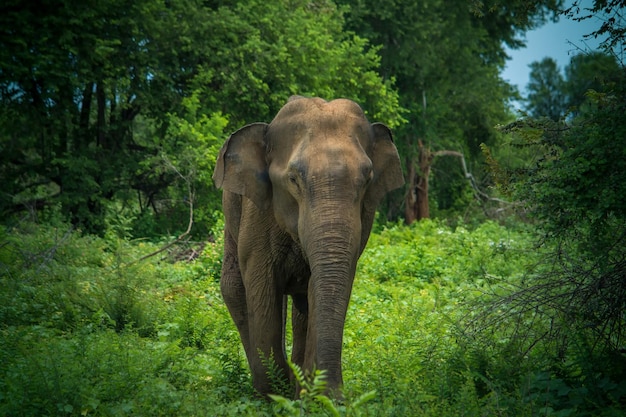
point(332, 253)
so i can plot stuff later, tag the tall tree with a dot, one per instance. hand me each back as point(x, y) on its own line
point(589, 71)
point(554, 95)
point(575, 191)
point(545, 90)
point(78, 74)
point(99, 101)
point(446, 58)
point(263, 52)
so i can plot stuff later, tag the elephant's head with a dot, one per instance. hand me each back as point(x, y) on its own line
point(314, 156)
point(321, 169)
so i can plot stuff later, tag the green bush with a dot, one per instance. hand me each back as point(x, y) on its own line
point(88, 330)
point(429, 251)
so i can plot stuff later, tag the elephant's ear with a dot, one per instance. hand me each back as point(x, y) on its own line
point(241, 166)
point(387, 169)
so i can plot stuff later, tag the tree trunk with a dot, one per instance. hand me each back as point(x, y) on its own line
point(410, 206)
point(101, 120)
point(416, 206)
point(85, 109)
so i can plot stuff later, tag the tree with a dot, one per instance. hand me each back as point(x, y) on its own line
point(545, 90)
point(552, 95)
point(77, 75)
point(265, 52)
point(101, 104)
point(575, 193)
point(588, 71)
point(446, 58)
point(611, 14)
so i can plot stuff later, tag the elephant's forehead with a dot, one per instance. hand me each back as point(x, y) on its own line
point(313, 138)
point(306, 126)
point(319, 115)
point(318, 125)
point(317, 105)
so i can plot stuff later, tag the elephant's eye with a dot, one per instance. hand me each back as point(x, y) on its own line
point(295, 174)
point(294, 180)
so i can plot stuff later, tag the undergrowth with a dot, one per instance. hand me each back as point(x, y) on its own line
point(85, 330)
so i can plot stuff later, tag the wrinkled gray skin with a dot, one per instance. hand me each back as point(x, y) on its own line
point(299, 201)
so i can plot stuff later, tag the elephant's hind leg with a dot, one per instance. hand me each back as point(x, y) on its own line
point(234, 292)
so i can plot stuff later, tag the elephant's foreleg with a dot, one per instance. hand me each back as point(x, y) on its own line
point(265, 315)
point(234, 292)
point(299, 323)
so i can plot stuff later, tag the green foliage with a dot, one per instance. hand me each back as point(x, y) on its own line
point(446, 59)
point(265, 52)
point(312, 398)
point(574, 191)
point(421, 254)
point(185, 161)
point(88, 330)
point(430, 277)
point(77, 77)
point(117, 112)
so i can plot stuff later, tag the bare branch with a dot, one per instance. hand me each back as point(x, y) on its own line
point(191, 198)
point(480, 194)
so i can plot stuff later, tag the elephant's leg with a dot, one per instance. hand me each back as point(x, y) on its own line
point(299, 323)
point(265, 315)
point(234, 292)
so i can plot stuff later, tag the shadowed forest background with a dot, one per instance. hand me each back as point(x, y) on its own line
point(494, 282)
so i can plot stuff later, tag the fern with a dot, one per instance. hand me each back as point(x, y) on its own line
point(279, 383)
point(313, 399)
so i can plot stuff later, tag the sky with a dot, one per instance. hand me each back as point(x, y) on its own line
point(560, 41)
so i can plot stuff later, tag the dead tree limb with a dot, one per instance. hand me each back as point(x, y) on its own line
point(481, 195)
point(416, 200)
point(190, 200)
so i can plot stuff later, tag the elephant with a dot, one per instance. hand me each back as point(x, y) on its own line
point(299, 199)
